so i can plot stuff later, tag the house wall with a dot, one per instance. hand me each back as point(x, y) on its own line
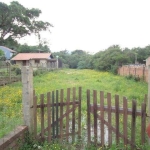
point(42, 63)
point(18, 62)
point(148, 61)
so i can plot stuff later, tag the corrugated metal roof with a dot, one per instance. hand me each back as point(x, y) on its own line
point(6, 48)
point(28, 56)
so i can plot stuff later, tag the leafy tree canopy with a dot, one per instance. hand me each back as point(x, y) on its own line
point(16, 21)
point(1, 53)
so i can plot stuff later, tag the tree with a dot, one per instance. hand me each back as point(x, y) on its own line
point(1, 53)
point(16, 21)
point(33, 49)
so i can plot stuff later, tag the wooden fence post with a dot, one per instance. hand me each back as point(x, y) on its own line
point(27, 96)
point(149, 97)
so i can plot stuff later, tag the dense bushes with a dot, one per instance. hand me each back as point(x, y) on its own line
point(108, 60)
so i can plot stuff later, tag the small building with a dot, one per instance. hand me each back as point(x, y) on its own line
point(147, 61)
point(8, 52)
point(35, 60)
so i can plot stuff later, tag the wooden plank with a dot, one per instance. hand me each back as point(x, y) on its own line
point(125, 120)
point(63, 104)
point(73, 115)
point(63, 116)
point(57, 123)
point(95, 115)
point(133, 124)
point(79, 112)
point(88, 117)
point(49, 115)
point(33, 93)
point(61, 113)
point(113, 110)
point(53, 115)
point(42, 116)
point(35, 115)
point(117, 118)
point(67, 116)
point(102, 120)
point(143, 123)
point(112, 128)
point(145, 99)
point(109, 119)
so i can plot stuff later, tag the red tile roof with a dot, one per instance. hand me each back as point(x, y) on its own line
point(28, 56)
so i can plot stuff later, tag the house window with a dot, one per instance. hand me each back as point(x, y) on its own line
point(37, 61)
point(24, 62)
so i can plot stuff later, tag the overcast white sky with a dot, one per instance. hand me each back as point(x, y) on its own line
point(93, 25)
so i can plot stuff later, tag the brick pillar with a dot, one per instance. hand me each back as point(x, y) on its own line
point(27, 96)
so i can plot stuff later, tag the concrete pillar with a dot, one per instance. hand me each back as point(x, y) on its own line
point(27, 96)
point(149, 97)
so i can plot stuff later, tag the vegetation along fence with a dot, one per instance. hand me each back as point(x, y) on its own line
point(58, 115)
point(8, 74)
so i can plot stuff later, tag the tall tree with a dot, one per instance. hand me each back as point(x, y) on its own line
point(16, 21)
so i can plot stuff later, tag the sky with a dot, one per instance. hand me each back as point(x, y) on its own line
point(92, 25)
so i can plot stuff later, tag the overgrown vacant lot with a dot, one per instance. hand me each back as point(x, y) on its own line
point(11, 95)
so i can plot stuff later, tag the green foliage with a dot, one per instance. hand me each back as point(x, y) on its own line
point(18, 71)
point(131, 77)
point(2, 56)
point(108, 60)
point(17, 21)
point(1, 53)
point(32, 49)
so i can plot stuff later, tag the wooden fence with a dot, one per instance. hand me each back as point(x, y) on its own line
point(58, 115)
point(111, 123)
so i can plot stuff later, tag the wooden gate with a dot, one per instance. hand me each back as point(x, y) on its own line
point(58, 115)
point(107, 124)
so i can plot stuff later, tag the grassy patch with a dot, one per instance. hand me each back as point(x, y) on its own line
point(11, 95)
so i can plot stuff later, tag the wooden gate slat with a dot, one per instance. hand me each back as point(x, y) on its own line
point(117, 118)
point(73, 115)
point(95, 115)
point(88, 117)
point(57, 111)
point(61, 113)
point(79, 112)
point(102, 116)
point(42, 116)
point(53, 115)
point(133, 123)
point(125, 120)
point(35, 115)
point(49, 115)
point(143, 123)
point(109, 118)
point(67, 116)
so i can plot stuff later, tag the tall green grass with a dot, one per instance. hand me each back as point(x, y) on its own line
point(63, 79)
